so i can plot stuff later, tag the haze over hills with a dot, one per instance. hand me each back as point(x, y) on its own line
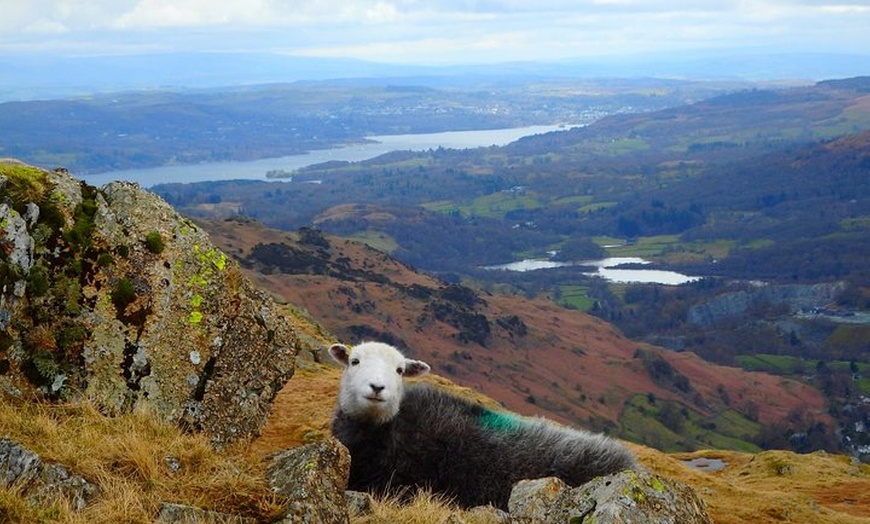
point(40, 76)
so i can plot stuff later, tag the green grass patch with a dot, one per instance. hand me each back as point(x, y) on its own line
point(795, 366)
point(596, 206)
point(24, 183)
point(851, 336)
point(668, 426)
point(697, 252)
point(605, 241)
point(441, 206)
point(778, 364)
point(855, 224)
point(575, 199)
point(641, 427)
point(785, 365)
point(377, 240)
point(646, 246)
point(496, 205)
point(760, 243)
point(576, 297)
point(627, 146)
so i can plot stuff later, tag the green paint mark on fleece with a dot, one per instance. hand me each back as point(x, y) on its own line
point(499, 420)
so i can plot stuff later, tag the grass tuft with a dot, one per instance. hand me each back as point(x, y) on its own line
point(424, 507)
point(137, 460)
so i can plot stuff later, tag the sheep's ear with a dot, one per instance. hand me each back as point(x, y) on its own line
point(340, 353)
point(415, 368)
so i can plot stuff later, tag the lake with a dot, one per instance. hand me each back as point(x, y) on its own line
point(606, 268)
point(256, 169)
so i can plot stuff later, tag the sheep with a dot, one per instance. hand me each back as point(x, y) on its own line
point(402, 439)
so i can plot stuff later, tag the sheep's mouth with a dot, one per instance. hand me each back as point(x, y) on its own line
point(375, 399)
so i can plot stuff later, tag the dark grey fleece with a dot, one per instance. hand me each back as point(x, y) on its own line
point(469, 453)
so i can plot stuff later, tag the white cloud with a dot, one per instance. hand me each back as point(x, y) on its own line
point(193, 13)
point(436, 30)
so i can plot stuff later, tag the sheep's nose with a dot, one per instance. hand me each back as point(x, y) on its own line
point(377, 389)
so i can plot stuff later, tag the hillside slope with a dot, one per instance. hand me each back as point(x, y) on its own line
point(533, 356)
point(763, 488)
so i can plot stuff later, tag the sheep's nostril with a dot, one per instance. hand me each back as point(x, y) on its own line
point(376, 389)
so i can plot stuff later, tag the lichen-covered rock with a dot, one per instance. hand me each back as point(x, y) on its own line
point(110, 295)
point(181, 514)
point(488, 514)
point(17, 463)
point(629, 497)
point(533, 500)
point(41, 483)
point(358, 503)
point(314, 479)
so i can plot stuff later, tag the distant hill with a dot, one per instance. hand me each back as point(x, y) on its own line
point(761, 175)
point(743, 168)
point(30, 76)
point(171, 125)
point(530, 354)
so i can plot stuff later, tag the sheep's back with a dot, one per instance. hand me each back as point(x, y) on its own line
point(467, 452)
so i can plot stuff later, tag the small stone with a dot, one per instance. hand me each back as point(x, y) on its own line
point(181, 514)
point(41, 483)
point(531, 500)
point(488, 514)
point(627, 497)
point(172, 463)
point(358, 503)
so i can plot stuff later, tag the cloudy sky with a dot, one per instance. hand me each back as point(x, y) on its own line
point(434, 31)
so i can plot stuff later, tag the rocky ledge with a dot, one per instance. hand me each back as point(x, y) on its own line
point(110, 295)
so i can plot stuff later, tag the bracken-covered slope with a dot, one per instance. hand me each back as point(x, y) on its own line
point(533, 356)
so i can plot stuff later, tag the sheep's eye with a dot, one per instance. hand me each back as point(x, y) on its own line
point(400, 370)
point(354, 361)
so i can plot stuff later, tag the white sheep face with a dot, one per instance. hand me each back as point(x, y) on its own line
point(372, 384)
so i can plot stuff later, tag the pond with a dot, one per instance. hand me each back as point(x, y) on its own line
point(607, 268)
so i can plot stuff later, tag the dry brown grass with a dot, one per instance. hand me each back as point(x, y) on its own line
point(423, 508)
point(128, 458)
point(766, 488)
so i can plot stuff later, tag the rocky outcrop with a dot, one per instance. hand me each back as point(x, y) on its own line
point(630, 497)
point(313, 478)
point(181, 514)
point(41, 483)
point(110, 295)
point(794, 298)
